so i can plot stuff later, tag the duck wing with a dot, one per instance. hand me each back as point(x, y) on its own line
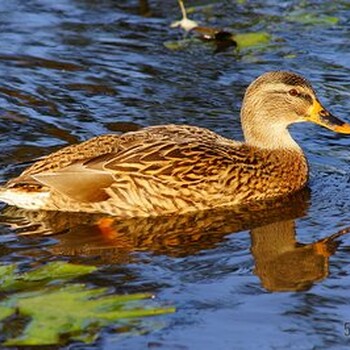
point(175, 156)
point(173, 164)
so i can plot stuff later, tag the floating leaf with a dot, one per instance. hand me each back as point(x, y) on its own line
point(58, 270)
point(53, 271)
point(251, 39)
point(243, 40)
point(311, 18)
point(178, 44)
point(5, 311)
point(7, 275)
point(74, 311)
point(290, 56)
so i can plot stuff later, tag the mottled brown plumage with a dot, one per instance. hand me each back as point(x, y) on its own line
point(176, 168)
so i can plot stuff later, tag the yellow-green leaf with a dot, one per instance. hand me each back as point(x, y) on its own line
point(60, 270)
point(312, 18)
point(75, 310)
point(5, 311)
point(251, 39)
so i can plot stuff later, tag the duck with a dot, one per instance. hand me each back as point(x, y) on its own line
point(175, 169)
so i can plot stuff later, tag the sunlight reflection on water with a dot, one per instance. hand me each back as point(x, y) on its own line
point(75, 69)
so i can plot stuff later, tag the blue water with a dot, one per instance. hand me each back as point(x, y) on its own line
point(75, 69)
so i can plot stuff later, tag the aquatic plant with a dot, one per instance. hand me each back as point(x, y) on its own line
point(55, 312)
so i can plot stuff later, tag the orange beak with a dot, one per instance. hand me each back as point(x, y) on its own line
point(319, 115)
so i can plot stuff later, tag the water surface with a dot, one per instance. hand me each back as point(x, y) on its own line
point(257, 277)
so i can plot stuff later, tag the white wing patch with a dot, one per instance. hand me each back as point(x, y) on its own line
point(26, 200)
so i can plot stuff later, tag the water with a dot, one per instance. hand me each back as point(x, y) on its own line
point(266, 278)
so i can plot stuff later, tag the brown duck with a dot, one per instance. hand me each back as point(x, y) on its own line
point(169, 169)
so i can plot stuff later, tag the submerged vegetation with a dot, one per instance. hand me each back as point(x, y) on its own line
point(221, 38)
point(53, 312)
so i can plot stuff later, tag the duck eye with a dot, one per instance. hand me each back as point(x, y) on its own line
point(293, 92)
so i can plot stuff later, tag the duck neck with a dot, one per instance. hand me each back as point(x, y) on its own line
point(264, 135)
point(270, 137)
point(263, 123)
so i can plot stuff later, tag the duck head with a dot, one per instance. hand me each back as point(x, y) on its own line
point(277, 99)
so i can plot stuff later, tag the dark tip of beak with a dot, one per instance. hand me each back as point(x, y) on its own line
point(330, 119)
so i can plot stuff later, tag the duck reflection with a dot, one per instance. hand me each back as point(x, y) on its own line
point(281, 263)
point(144, 8)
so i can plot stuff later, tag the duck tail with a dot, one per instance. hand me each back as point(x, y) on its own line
point(23, 199)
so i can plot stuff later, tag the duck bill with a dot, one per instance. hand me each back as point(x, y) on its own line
point(319, 115)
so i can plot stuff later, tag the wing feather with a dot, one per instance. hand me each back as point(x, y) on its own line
point(78, 182)
point(177, 155)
